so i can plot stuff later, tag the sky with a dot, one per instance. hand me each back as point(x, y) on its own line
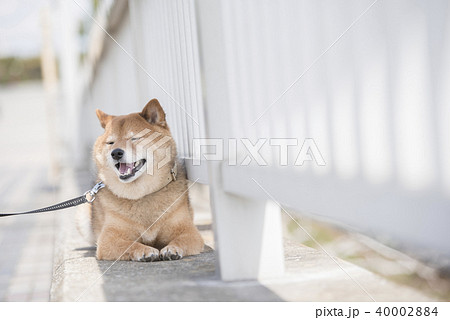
point(20, 26)
point(20, 32)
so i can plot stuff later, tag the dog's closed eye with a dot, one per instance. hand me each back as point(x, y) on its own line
point(110, 142)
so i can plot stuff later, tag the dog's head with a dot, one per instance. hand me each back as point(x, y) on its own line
point(136, 153)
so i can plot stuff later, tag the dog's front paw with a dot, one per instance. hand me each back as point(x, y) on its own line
point(145, 253)
point(171, 253)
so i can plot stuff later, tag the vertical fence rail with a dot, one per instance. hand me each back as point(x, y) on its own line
point(247, 230)
point(166, 41)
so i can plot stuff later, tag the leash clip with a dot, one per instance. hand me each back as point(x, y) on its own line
point(93, 192)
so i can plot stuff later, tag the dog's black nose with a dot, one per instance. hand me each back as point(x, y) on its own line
point(117, 154)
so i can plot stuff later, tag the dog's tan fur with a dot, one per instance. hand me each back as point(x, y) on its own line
point(149, 218)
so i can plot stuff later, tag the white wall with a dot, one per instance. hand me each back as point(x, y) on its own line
point(375, 103)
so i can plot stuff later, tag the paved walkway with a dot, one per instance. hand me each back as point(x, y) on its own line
point(26, 243)
point(310, 274)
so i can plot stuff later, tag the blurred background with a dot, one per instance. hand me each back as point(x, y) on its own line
point(368, 81)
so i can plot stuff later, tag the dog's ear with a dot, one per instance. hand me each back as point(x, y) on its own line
point(104, 118)
point(154, 113)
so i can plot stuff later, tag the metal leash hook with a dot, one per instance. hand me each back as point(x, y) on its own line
point(93, 192)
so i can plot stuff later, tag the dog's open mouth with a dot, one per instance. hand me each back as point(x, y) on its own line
point(128, 170)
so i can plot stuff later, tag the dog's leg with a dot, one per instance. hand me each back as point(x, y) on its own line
point(111, 245)
point(189, 242)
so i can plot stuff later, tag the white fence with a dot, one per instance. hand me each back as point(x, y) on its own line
point(368, 82)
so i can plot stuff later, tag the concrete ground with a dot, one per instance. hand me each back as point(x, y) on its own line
point(26, 243)
point(311, 275)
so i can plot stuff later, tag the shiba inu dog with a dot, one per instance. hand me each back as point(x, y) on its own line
point(143, 213)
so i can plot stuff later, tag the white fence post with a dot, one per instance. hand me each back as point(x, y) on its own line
point(247, 233)
point(244, 227)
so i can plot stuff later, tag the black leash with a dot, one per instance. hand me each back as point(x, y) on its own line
point(88, 196)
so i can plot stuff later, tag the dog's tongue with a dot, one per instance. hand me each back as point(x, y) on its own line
point(123, 169)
